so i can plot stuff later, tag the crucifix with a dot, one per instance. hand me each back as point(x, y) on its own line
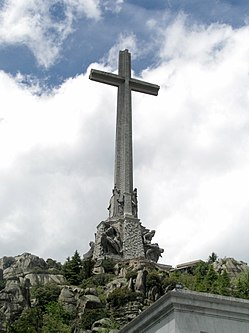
point(123, 173)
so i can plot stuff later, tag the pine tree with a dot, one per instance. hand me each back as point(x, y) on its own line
point(73, 269)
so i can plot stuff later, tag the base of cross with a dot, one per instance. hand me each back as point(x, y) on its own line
point(121, 236)
point(122, 239)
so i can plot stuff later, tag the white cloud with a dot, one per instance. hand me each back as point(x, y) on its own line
point(114, 6)
point(191, 152)
point(124, 42)
point(42, 25)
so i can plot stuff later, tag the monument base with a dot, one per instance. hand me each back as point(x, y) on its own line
point(124, 238)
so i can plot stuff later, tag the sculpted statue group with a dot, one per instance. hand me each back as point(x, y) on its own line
point(116, 204)
point(110, 237)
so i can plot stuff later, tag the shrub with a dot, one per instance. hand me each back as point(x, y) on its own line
point(108, 265)
point(90, 316)
point(45, 294)
point(122, 296)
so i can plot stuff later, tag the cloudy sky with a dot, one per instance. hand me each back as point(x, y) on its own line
point(57, 128)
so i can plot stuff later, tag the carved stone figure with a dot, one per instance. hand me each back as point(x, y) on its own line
point(110, 240)
point(113, 205)
point(153, 252)
point(120, 206)
point(147, 236)
point(140, 284)
point(134, 203)
point(89, 253)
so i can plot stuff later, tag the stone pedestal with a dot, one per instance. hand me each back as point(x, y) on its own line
point(119, 239)
point(133, 246)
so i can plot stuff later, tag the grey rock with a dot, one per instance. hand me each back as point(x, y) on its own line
point(116, 284)
point(42, 279)
point(232, 266)
point(91, 291)
point(23, 264)
point(140, 284)
point(101, 325)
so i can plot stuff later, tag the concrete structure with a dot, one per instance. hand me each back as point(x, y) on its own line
point(184, 311)
point(121, 235)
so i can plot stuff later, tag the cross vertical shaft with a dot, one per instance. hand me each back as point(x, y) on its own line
point(124, 199)
point(123, 174)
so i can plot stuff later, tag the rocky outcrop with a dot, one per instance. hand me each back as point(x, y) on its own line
point(21, 265)
point(77, 299)
point(115, 294)
point(20, 274)
point(232, 266)
point(12, 299)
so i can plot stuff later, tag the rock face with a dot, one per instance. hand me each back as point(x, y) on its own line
point(232, 266)
point(21, 273)
point(21, 265)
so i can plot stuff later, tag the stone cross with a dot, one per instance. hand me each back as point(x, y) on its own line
point(123, 174)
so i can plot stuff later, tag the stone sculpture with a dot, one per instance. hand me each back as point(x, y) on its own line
point(89, 253)
point(110, 240)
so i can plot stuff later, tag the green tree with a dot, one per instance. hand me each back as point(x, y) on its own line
point(87, 268)
point(200, 273)
point(30, 321)
point(210, 280)
point(90, 316)
point(224, 284)
point(242, 285)
point(45, 294)
point(55, 319)
point(73, 269)
point(212, 258)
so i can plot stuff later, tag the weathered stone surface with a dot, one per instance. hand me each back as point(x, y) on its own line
point(116, 284)
point(42, 279)
point(133, 241)
point(12, 300)
point(68, 298)
point(74, 299)
point(232, 266)
point(22, 265)
point(101, 325)
point(140, 284)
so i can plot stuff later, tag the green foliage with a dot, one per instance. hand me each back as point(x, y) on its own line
point(153, 279)
point(210, 281)
point(90, 316)
point(108, 265)
point(73, 269)
point(97, 280)
point(8, 261)
point(55, 319)
point(87, 268)
point(30, 321)
point(131, 274)
point(203, 279)
point(242, 285)
point(212, 258)
point(121, 296)
point(2, 284)
point(53, 264)
point(224, 284)
point(45, 294)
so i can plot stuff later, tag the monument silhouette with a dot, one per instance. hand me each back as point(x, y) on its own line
point(122, 236)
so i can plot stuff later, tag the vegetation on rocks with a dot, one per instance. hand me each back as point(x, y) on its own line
point(81, 301)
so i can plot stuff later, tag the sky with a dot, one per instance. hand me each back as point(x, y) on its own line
point(57, 128)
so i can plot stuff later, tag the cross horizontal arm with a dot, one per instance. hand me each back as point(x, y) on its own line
point(144, 87)
point(107, 78)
